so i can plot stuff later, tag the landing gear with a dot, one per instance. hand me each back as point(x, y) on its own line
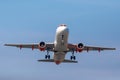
point(73, 57)
point(47, 56)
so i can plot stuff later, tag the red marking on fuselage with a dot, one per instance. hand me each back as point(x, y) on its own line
point(57, 62)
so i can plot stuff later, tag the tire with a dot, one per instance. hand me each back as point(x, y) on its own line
point(74, 58)
point(46, 56)
point(71, 57)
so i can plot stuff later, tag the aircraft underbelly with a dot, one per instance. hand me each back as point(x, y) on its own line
point(59, 56)
point(60, 48)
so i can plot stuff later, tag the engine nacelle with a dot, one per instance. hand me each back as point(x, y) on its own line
point(80, 47)
point(42, 46)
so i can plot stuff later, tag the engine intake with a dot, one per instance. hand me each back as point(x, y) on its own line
point(80, 47)
point(42, 46)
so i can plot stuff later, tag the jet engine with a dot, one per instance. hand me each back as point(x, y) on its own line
point(42, 46)
point(80, 47)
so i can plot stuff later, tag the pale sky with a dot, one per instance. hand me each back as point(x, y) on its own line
point(92, 22)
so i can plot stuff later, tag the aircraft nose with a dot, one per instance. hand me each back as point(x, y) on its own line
point(62, 29)
point(65, 29)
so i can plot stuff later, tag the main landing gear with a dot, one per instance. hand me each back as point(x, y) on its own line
point(73, 57)
point(47, 56)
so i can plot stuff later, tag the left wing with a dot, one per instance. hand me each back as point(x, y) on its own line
point(97, 48)
point(72, 47)
point(32, 46)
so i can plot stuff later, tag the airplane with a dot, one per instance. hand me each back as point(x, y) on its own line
point(60, 47)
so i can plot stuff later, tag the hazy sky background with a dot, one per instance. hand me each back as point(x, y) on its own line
point(92, 22)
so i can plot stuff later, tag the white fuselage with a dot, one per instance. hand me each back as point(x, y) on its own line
point(60, 44)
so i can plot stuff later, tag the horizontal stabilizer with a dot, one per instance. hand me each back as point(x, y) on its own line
point(46, 60)
point(52, 60)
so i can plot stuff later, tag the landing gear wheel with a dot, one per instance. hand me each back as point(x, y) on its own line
point(45, 56)
point(48, 56)
point(72, 57)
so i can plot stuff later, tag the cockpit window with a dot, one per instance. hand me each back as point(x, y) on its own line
point(63, 25)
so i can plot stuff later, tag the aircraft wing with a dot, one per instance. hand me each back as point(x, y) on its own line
point(72, 47)
point(49, 46)
point(97, 48)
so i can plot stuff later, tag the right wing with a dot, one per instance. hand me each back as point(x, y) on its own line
point(49, 46)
